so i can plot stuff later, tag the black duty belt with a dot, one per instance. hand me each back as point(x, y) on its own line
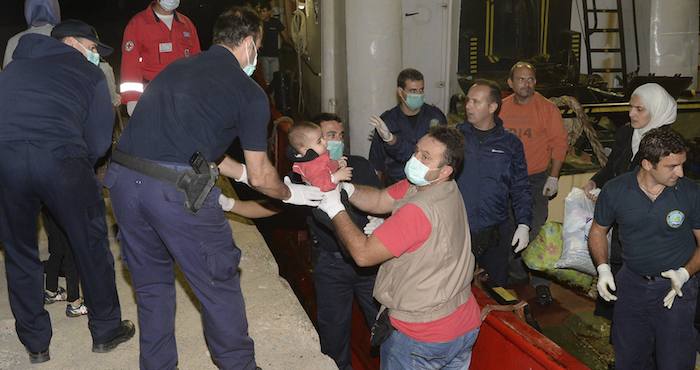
point(196, 182)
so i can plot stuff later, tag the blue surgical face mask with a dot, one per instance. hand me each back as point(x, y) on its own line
point(250, 68)
point(169, 5)
point(335, 149)
point(91, 56)
point(415, 172)
point(414, 101)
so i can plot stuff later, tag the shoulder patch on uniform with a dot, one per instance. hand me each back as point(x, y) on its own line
point(129, 45)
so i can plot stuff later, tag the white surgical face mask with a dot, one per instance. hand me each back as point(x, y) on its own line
point(250, 68)
point(415, 172)
point(91, 56)
point(169, 5)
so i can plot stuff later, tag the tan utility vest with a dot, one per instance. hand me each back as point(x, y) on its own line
point(433, 281)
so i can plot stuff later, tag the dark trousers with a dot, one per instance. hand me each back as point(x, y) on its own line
point(337, 281)
point(643, 327)
point(155, 232)
point(494, 258)
point(60, 259)
point(32, 173)
point(517, 269)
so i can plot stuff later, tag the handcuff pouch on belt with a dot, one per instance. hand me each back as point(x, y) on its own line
point(195, 183)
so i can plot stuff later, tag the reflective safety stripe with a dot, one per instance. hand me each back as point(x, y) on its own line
point(131, 86)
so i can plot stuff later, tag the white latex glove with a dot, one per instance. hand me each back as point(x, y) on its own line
point(130, 105)
point(226, 203)
point(678, 278)
point(348, 187)
point(331, 203)
point(303, 195)
point(244, 176)
point(381, 128)
point(606, 281)
point(372, 224)
point(521, 237)
point(551, 186)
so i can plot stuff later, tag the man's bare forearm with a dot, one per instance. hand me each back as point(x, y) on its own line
point(556, 168)
point(598, 244)
point(263, 177)
point(365, 250)
point(371, 200)
point(231, 168)
point(351, 237)
point(693, 265)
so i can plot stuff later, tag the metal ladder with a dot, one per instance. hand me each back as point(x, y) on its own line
point(620, 71)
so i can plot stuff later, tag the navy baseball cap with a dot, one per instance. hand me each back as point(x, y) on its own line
point(76, 28)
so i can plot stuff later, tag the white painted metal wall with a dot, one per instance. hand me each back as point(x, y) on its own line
point(373, 45)
point(426, 45)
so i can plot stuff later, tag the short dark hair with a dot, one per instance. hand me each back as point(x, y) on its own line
point(323, 117)
point(235, 24)
point(522, 64)
point(661, 142)
point(297, 134)
point(454, 146)
point(494, 92)
point(408, 74)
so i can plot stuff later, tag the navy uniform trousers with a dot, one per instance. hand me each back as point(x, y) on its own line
point(336, 281)
point(62, 178)
point(155, 232)
point(642, 326)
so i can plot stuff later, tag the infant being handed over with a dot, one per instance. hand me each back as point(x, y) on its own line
point(311, 158)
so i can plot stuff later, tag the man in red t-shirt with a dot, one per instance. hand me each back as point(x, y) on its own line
point(424, 249)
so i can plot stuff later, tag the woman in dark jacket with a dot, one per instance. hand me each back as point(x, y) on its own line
point(650, 107)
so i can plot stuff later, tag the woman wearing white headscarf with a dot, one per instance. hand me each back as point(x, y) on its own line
point(650, 107)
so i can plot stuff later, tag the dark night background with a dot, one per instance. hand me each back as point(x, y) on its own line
point(110, 17)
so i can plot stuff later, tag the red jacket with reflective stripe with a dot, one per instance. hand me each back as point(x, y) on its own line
point(149, 46)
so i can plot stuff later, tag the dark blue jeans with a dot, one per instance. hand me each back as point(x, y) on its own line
point(643, 327)
point(337, 281)
point(400, 352)
point(155, 232)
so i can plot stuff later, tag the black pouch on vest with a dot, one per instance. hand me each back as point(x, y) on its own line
point(382, 329)
point(483, 240)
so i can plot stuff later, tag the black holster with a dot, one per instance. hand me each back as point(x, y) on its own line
point(382, 328)
point(195, 183)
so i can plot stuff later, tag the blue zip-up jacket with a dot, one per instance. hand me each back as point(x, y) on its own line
point(494, 171)
point(391, 159)
point(52, 94)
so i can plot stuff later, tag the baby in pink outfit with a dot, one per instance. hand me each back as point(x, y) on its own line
point(312, 161)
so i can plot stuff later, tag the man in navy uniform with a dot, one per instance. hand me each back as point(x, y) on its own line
point(56, 121)
point(194, 109)
point(658, 214)
point(337, 278)
point(400, 128)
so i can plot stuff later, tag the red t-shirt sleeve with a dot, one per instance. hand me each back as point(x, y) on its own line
point(398, 190)
point(405, 231)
